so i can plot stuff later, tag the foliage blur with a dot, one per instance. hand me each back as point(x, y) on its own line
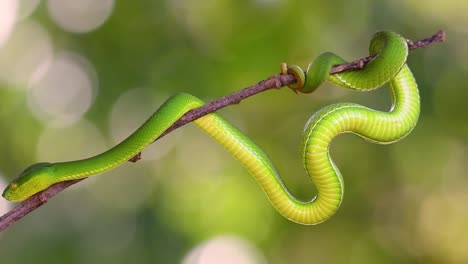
point(76, 77)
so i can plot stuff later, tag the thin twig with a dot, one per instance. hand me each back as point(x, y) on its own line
point(359, 64)
point(276, 81)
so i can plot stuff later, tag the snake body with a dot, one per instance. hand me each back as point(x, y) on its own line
point(379, 127)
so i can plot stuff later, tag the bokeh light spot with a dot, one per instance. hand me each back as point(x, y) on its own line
point(64, 92)
point(5, 206)
point(26, 8)
point(80, 16)
point(226, 250)
point(8, 9)
point(20, 61)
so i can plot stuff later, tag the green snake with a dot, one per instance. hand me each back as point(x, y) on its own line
point(388, 66)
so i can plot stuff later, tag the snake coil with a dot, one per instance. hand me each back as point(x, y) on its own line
point(379, 127)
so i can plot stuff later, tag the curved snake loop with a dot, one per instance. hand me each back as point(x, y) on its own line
point(388, 67)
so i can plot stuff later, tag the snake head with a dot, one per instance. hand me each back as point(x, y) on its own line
point(32, 180)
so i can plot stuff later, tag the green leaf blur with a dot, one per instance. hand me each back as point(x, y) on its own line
point(75, 80)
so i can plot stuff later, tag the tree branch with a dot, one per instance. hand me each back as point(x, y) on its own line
point(275, 81)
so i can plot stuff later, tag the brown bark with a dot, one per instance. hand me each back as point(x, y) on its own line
point(273, 82)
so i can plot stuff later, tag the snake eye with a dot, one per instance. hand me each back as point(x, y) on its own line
point(14, 186)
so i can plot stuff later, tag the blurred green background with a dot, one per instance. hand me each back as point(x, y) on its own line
point(76, 77)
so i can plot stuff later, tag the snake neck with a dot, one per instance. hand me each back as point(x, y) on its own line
point(103, 162)
point(174, 108)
